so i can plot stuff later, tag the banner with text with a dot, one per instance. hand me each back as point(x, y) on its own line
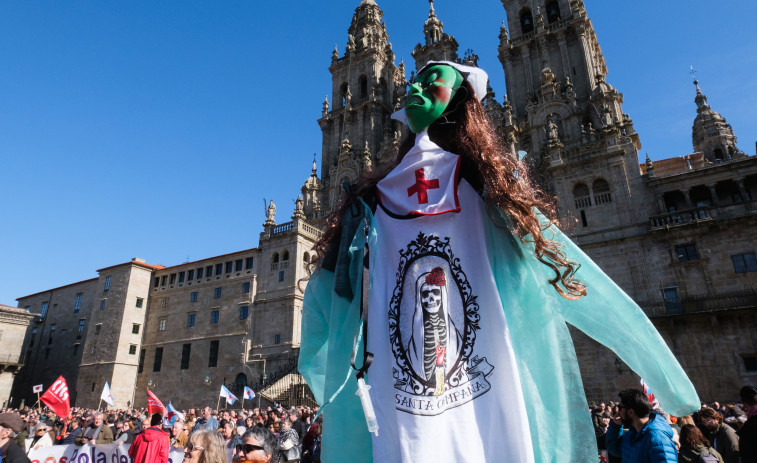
point(102, 453)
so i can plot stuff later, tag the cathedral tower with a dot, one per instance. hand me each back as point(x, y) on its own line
point(711, 134)
point(564, 115)
point(367, 87)
point(439, 46)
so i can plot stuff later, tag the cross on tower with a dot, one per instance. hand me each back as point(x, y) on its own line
point(421, 186)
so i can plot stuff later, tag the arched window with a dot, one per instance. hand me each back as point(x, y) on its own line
point(731, 151)
point(553, 11)
point(306, 258)
point(526, 21)
point(718, 154)
point(601, 190)
point(343, 94)
point(581, 195)
point(285, 256)
point(275, 258)
point(363, 81)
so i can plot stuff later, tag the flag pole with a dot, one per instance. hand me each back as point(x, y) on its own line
point(219, 402)
point(99, 403)
point(242, 400)
point(39, 402)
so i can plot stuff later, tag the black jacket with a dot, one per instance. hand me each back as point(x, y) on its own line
point(748, 441)
point(12, 453)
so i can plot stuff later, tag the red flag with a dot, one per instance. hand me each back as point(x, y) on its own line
point(56, 397)
point(154, 405)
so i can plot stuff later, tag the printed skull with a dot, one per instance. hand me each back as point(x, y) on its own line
point(431, 297)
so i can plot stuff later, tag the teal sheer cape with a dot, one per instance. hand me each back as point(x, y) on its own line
point(560, 425)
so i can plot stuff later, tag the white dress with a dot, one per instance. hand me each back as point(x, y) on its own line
point(444, 379)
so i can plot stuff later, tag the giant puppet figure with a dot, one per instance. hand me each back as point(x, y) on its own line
point(444, 268)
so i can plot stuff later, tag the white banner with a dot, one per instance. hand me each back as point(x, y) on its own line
point(102, 453)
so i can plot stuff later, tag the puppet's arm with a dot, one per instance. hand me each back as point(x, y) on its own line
point(611, 317)
point(313, 359)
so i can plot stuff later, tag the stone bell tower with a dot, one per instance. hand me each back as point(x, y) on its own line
point(438, 45)
point(564, 115)
point(367, 86)
point(711, 134)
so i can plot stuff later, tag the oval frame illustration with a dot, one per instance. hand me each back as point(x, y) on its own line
point(438, 250)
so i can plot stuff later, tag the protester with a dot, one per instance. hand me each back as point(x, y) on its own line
point(10, 451)
point(95, 433)
point(748, 432)
point(40, 437)
point(289, 443)
point(723, 437)
point(230, 437)
point(151, 446)
point(311, 445)
point(695, 448)
point(207, 422)
point(179, 437)
point(649, 439)
point(71, 430)
point(205, 446)
point(126, 432)
point(258, 446)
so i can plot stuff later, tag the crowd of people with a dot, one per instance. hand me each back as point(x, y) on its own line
point(627, 431)
point(275, 434)
point(632, 430)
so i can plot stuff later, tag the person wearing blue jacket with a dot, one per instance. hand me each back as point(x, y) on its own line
point(649, 438)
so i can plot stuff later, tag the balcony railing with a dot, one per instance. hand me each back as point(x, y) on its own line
point(703, 304)
point(676, 218)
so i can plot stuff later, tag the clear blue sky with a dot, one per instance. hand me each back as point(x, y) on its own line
point(155, 129)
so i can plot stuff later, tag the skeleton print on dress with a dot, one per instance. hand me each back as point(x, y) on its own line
point(433, 318)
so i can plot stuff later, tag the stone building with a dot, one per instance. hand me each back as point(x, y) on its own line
point(678, 235)
point(13, 325)
point(88, 332)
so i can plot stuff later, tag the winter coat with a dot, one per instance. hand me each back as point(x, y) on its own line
point(561, 429)
point(653, 444)
point(691, 455)
point(726, 442)
point(43, 441)
point(748, 441)
point(12, 453)
point(150, 446)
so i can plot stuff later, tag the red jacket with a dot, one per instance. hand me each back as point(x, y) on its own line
point(150, 446)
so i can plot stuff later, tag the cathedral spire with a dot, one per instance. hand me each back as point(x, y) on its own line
point(367, 31)
point(433, 28)
point(700, 99)
point(439, 46)
point(710, 133)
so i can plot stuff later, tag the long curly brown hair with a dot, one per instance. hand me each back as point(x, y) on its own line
point(497, 175)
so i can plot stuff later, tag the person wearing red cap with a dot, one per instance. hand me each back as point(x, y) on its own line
point(10, 425)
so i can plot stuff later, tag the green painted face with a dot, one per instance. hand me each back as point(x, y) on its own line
point(430, 94)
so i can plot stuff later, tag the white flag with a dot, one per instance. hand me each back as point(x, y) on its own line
point(230, 398)
point(248, 393)
point(106, 396)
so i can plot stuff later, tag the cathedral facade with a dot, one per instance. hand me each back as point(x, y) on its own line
point(678, 234)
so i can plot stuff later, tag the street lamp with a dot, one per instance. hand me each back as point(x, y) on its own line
point(262, 386)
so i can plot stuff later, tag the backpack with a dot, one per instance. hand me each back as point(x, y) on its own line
point(707, 457)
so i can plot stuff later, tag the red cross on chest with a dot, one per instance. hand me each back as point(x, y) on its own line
point(421, 186)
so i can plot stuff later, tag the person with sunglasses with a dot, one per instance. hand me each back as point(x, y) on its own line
point(205, 446)
point(258, 446)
